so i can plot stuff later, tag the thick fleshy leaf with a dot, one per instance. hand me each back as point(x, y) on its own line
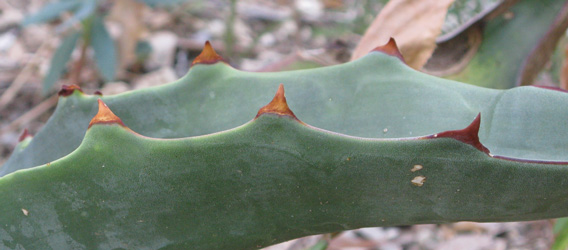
point(507, 57)
point(50, 11)
point(281, 175)
point(463, 13)
point(267, 181)
point(59, 60)
point(105, 52)
point(386, 98)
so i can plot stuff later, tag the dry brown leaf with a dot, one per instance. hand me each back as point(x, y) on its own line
point(542, 52)
point(129, 15)
point(414, 24)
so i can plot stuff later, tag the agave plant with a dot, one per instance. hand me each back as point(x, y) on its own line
point(370, 143)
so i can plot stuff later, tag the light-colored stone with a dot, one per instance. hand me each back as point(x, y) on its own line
point(471, 242)
point(163, 45)
point(155, 78)
point(287, 29)
point(311, 10)
point(113, 88)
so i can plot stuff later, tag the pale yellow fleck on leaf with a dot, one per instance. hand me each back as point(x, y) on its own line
point(416, 168)
point(418, 180)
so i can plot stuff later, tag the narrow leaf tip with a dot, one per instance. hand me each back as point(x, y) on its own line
point(278, 105)
point(105, 116)
point(390, 48)
point(67, 90)
point(207, 56)
point(468, 135)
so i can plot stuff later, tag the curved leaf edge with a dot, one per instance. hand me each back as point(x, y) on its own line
point(279, 107)
point(77, 93)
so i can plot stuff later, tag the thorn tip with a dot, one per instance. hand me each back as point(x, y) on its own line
point(67, 90)
point(105, 116)
point(278, 105)
point(390, 48)
point(207, 56)
point(468, 135)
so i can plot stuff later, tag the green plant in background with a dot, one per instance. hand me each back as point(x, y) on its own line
point(487, 48)
point(89, 15)
point(92, 33)
point(561, 231)
point(277, 178)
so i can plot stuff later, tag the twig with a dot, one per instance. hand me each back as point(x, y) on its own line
point(75, 77)
point(21, 78)
point(31, 115)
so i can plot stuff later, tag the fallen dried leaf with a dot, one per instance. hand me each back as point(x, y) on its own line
point(541, 53)
point(129, 15)
point(414, 25)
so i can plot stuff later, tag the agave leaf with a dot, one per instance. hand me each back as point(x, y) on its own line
point(386, 98)
point(50, 11)
point(270, 180)
point(463, 13)
point(507, 57)
point(103, 45)
point(59, 60)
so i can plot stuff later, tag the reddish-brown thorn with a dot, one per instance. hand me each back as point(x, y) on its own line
point(207, 56)
point(25, 134)
point(277, 106)
point(105, 116)
point(390, 48)
point(467, 135)
point(98, 92)
point(67, 90)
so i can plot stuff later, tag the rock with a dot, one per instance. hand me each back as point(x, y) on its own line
point(286, 30)
point(264, 59)
point(154, 78)
point(113, 88)
point(216, 28)
point(310, 10)
point(263, 12)
point(163, 45)
point(267, 40)
point(10, 17)
point(473, 242)
point(243, 33)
